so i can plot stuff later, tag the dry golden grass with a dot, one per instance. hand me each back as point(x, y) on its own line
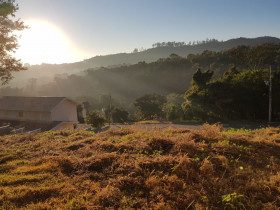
point(208, 168)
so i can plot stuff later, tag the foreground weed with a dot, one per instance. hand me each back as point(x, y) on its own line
point(233, 201)
point(238, 130)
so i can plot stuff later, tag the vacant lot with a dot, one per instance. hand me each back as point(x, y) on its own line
point(130, 168)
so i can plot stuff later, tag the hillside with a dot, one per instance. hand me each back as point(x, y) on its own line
point(160, 169)
point(47, 71)
point(156, 53)
point(164, 76)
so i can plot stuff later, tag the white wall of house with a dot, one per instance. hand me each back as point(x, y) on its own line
point(41, 116)
point(65, 111)
point(23, 115)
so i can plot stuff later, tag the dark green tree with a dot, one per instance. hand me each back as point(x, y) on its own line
point(202, 78)
point(95, 119)
point(119, 115)
point(238, 96)
point(150, 106)
point(255, 57)
point(231, 71)
point(8, 40)
point(175, 112)
point(173, 107)
point(80, 113)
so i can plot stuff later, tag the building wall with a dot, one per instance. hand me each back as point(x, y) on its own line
point(65, 111)
point(25, 116)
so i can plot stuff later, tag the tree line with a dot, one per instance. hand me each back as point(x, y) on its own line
point(234, 96)
point(215, 94)
point(180, 44)
point(227, 85)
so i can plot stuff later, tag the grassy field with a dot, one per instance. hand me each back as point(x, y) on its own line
point(158, 169)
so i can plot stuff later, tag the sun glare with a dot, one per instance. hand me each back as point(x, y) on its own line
point(43, 42)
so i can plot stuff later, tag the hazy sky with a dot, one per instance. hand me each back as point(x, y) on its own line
point(98, 27)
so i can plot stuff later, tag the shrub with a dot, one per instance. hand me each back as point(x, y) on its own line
point(95, 119)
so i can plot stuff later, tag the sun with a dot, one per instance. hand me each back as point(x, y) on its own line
point(43, 42)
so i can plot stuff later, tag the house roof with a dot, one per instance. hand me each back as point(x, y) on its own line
point(33, 104)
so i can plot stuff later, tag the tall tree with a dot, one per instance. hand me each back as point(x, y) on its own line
point(119, 115)
point(150, 106)
point(95, 119)
point(235, 96)
point(8, 40)
point(202, 78)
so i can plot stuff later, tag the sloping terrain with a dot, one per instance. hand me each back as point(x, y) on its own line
point(158, 169)
point(46, 72)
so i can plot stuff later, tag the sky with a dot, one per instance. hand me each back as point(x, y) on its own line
point(63, 31)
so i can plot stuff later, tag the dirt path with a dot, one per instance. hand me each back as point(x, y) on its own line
point(152, 126)
point(164, 126)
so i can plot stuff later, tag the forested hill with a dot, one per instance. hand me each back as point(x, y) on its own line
point(164, 76)
point(159, 50)
point(165, 49)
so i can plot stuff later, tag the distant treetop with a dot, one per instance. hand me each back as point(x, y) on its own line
point(180, 44)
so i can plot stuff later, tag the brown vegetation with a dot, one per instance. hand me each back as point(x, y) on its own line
point(159, 169)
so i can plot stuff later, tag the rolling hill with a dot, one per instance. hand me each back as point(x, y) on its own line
point(46, 72)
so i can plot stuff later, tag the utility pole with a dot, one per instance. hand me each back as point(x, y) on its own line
point(270, 96)
point(110, 108)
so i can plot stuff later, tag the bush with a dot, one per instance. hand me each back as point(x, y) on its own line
point(149, 106)
point(95, 119)
point(119, 115)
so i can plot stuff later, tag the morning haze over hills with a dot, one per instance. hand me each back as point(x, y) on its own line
point(46, 72)
point(178, 125)
point(167, 69)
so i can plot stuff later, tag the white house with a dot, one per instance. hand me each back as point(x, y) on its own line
point(59, 111)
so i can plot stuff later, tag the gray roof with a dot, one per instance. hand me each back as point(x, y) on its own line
point(32, 104)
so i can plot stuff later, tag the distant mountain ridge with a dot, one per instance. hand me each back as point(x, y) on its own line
point(171, 75)
point(149, 55)
point(154, 54)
